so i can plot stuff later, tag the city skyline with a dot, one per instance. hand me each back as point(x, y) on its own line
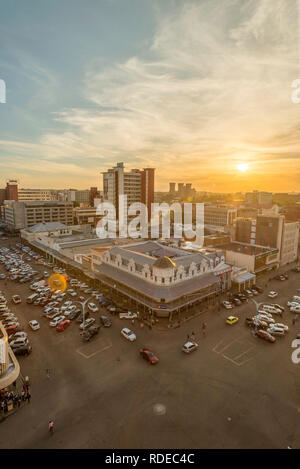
point(213, 108)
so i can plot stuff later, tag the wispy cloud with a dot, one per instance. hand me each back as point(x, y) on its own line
point(213, 88)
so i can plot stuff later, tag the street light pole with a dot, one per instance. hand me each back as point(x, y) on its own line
point(257, 305)
point(82, 304)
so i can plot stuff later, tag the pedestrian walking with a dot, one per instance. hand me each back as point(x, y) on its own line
point(23, 395)
point(204, 329)
point(19, 401)
point(188, 337)
point(28, 397)
point(294, 320)
point(297, 317)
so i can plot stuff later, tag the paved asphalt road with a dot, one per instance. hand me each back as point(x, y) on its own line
point(235, 391)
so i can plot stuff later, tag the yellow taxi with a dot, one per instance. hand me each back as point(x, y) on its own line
point(231, 320)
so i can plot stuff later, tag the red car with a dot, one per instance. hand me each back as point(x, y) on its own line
point(265, 335)
point(149, 356)
point(63, 325)
point(13, 329)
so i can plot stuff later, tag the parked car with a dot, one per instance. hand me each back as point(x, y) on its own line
point(34, 325)
point(88, 322)
point(265, 336)
point(189, 347)
point(63, 325)
point(93, 308)
point(275, 330)
point(149, 356)
point(56, 321)
point(90, 332)
point(128, 334)
point(18, 342)
point(23, 350)
point(237, 302)
point(105, 321)
point(227, 305)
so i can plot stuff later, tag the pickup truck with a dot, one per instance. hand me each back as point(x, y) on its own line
point(128, 315)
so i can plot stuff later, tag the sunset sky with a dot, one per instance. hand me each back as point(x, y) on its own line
point(192, 88)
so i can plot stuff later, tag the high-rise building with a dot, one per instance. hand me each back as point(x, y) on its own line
point(270, 231)
point(11, 190)
point(137, 185)
point(172, 187)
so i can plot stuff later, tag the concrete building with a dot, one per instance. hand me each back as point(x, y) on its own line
point(163, 279)
point(28, 195)
point(255, 259)
point(10, 192)
point(9, 366)
point(137, 185)
point(79, 196)
point(270, 231)
point(18, 215)
point(85, 215)
point(257, 198)
point(219, 216)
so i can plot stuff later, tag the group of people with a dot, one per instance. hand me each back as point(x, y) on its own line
point(193, 336)
point(14, 398)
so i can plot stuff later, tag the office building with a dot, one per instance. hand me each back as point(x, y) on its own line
point(79, 196)
point(258, 198)
point(137, 185)
point(219, 216)
point(19, 215)
point(29, 195)
point(270, 231)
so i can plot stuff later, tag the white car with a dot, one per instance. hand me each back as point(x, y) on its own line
point(227, 305)
point(264, 318)
point(19, 342)
point(292, 303)
point(55, 321)
point(296, 298)
point(87, 323)
point(128, 334)
point(16, 299)
point(17, 335)
point(34, 325)
point(271, 309)
point(295, 309)
point(275, 331)
point(66, 305)
point(128, 315)
point(189, 347)
point(282, 326)
point(273, 294)
point(93, 308)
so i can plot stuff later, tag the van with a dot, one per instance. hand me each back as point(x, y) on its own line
point(32, 298)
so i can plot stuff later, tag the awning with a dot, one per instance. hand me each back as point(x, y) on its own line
point(244, 277)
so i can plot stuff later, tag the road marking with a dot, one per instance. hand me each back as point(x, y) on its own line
point(92, 349)
point(236, 354)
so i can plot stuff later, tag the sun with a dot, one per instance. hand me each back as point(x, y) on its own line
point(243, 167)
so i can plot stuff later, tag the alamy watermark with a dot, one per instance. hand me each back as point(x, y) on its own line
point(2, 92)
point(134, 221)
point(296, 353)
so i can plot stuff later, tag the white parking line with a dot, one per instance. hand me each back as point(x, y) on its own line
point(92, 354)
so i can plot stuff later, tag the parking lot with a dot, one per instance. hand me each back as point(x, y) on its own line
point(235, 391)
